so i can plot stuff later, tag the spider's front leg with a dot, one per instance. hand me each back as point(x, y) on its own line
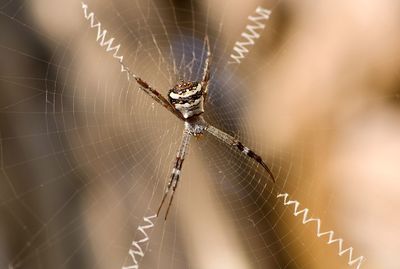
point(176, 171)
point(230, 140)
point(110, 46)
point(153, 93)
point(206, 71)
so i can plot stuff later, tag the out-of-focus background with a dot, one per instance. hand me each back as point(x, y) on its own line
point(84, 155)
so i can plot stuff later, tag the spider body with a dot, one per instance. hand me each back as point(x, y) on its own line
point(186, 101)
point(188, 98)
point(196, 125)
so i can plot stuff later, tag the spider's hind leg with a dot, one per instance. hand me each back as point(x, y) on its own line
point(230, 140)
point(173, 182)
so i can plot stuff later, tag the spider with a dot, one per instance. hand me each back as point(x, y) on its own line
point(186, 101)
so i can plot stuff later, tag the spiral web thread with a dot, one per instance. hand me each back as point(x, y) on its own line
point(240, 50)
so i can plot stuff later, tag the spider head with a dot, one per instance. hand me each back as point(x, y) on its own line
point(187, 97)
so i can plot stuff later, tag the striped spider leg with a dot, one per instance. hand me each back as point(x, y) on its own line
point(153, 93)
point(187, 98)
point(196, 126)
point(231, 141)
point(206, 72)
point(157, 96)
point(176, 171)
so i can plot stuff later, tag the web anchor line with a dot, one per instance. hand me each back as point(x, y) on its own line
point(136, 251)
point(306, 219)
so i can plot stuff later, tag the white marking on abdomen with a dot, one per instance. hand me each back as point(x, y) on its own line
point(185, 94)
point(188, 105)
point(191, 109)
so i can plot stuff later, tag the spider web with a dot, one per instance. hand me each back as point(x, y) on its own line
point(85, 155)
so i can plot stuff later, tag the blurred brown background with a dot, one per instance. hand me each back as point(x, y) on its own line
point(84, 155)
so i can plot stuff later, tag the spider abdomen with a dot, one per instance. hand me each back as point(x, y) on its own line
point(187, 98)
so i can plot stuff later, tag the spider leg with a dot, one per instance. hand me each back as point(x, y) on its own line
point(176, 171)
point(206, 72)
point(153, 93)
point(230, 140)
point(112, 47)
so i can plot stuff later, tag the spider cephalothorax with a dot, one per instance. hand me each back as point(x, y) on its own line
point(188, 98)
